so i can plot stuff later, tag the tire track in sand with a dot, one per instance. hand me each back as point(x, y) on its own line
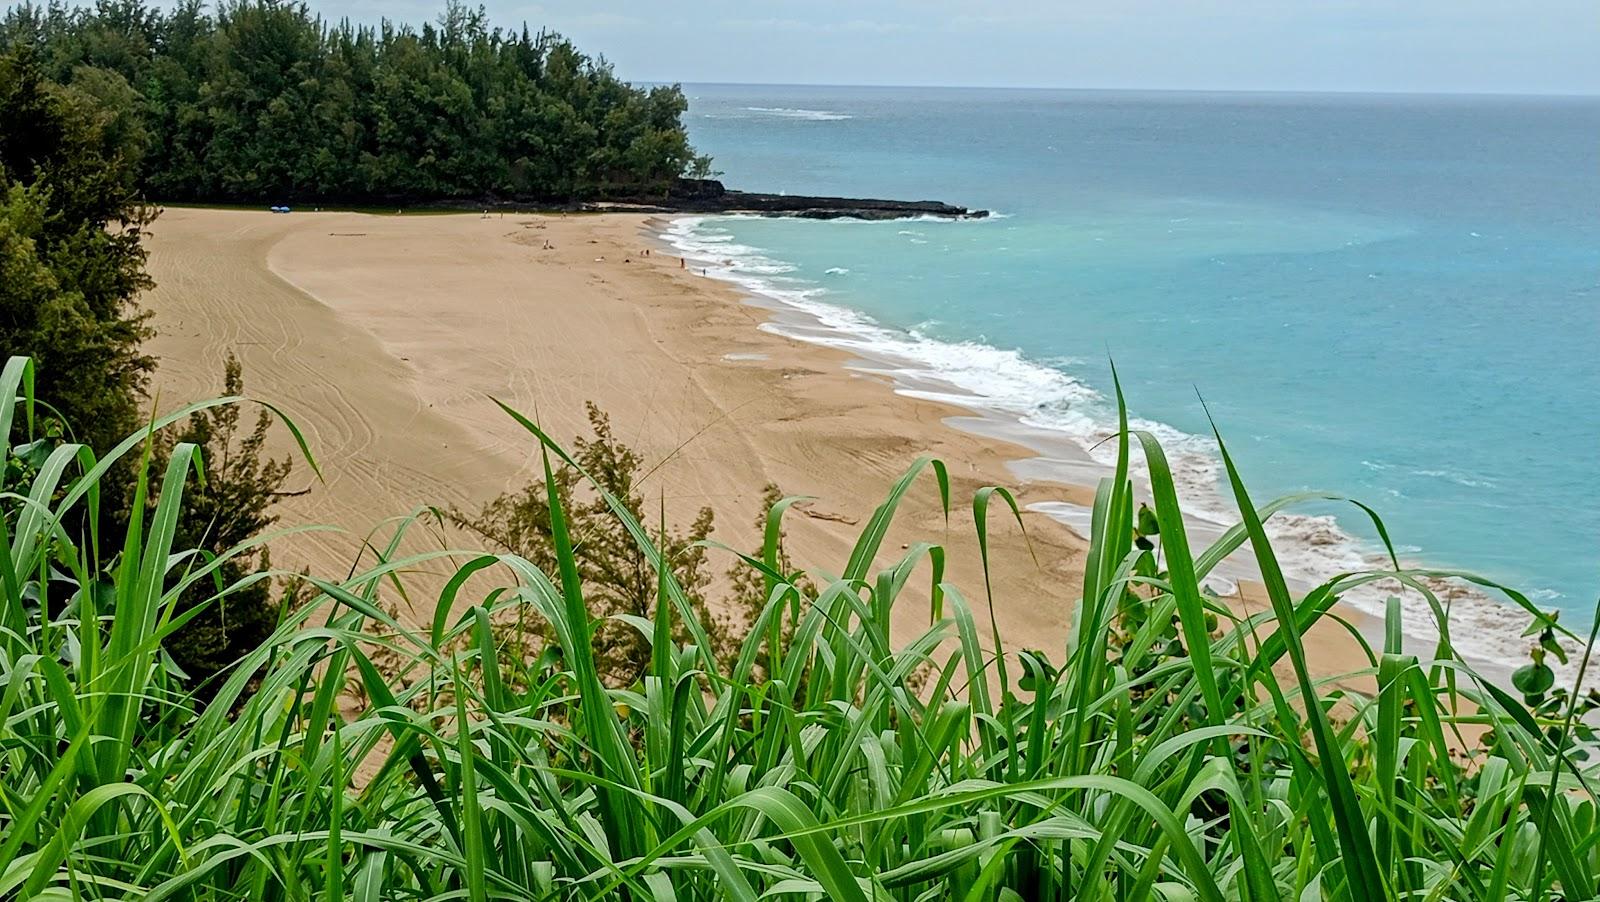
point(376, 441)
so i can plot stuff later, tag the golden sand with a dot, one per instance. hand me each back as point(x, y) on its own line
point(388, 339)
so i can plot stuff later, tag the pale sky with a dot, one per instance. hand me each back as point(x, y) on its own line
point(1488, 46)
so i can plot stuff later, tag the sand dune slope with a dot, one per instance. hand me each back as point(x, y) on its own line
point(388, 338)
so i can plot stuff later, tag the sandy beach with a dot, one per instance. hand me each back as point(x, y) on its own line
point(388, 339)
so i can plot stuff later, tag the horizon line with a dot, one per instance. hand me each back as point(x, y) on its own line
point(1385, 92)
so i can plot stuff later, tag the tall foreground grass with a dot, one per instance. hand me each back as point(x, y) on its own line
point(1159, 754)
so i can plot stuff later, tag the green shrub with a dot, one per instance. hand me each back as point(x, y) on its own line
point(71, 258)
point(228, 508)
point(617, 573)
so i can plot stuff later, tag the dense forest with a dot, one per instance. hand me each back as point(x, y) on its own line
point(264, 101)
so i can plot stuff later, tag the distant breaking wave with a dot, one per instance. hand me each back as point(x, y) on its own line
point(791, 113)
point(1311, 548)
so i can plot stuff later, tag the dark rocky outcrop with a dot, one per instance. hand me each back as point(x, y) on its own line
point(710, 196)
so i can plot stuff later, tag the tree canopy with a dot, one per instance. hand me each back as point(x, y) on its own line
point(71, 258)
point(264, 101)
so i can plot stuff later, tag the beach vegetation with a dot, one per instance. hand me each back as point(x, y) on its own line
point(71, 253)
point(621, 581)
point(261, 101)
point(72, 267)
point(224, 510)
point(1170, 746)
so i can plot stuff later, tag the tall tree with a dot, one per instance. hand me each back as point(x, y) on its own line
point(70, 238)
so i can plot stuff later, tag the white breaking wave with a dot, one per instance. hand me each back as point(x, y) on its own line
point(807, 115)
point(1470, 481)
point(1311, 549)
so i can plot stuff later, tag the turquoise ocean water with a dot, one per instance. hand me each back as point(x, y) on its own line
point(1394, 298)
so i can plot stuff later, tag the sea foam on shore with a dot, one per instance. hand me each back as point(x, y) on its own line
point(1068, 423)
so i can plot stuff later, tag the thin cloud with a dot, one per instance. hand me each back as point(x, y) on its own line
point(598, 19)
point(849, 26)
point(601, 20)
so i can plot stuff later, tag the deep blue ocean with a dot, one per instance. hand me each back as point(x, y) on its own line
point(1394, 298)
